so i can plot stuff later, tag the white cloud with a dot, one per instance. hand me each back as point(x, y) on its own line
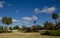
point(34, 17)
point(17, 11)
point(2, 4)
point(36, 10)
point(0, 18)
point(45, 10)
point(59, 14)
point(14, 20)
point(27, 18)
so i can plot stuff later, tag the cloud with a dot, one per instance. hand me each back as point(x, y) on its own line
point(14, 20)
point(34, 17)
point(36, 10)
point(0, 18)
point(2, 4)
point(9, 4)
point(27, 18)
point(59, 14)
point(45, 10)
point(17, 11)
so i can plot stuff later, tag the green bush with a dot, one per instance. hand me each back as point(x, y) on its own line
point(28, 30)
point(52, 32)
point(5, 31)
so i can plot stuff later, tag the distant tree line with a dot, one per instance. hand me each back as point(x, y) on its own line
point(47, 25)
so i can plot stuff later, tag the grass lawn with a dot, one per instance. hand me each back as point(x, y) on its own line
point(25, 35)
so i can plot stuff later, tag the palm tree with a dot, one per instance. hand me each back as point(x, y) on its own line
point(34, 22)
point(55, 16)
point(4, 19)
point(7, 20)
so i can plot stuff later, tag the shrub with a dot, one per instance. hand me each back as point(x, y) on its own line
point(10, 28)
point(16, 27)
point(28, 29)
point(34, 30)
point(5, 31)
point(1, 31)
point(52, 32)
point(24, 27)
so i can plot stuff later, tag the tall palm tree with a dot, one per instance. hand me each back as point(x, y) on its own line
point(4, 21)
point(7, 20)
point(55, 16)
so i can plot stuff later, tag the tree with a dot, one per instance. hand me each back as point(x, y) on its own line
point(4, 19)
point(10, 28)
point(24, 28)
point(55, 16)
point(0, 27)
point(7, 20)
point(34, 22)
point(48, 25)
point(16, 27)
point(39, 27)
point(58, 26)
point(34, 28)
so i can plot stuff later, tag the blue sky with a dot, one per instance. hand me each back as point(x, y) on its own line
point(24, 12)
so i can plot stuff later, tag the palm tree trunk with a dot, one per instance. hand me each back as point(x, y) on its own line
point(35, 23)
point(55, 22)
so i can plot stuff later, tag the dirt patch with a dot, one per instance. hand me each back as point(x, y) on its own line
point(24, 35)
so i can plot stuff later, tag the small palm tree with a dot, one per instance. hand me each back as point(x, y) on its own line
point(34, 22)
point(55, 16)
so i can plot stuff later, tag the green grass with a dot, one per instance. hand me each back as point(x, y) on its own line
point(52, 32)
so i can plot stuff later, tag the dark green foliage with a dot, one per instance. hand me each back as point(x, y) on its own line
point(48, 25)
point(34, 29)
point(7, 20)
point(28, 30)
point(10, 28)
point(0, 27)
point(24, 28)
point(39, 27)
point(5, 31)
point(4, 20)
point(34, 21)
point(55, 16)
point(52, 32)
point(16, 27)
point(58, 26)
